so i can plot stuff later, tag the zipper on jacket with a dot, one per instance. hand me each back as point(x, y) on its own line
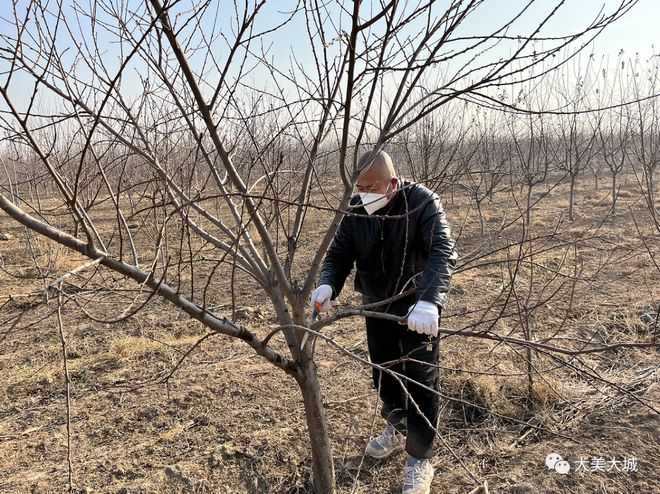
point(381, 223)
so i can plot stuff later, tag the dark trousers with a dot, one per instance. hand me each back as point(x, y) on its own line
point(394, 346)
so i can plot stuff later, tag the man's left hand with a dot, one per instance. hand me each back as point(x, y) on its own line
point(423, 318)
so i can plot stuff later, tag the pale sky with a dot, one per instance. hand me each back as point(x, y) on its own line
point(637, 32)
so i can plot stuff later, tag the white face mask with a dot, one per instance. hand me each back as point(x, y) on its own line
point(372, 201)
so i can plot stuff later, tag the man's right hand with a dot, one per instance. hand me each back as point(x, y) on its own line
point(321, 298)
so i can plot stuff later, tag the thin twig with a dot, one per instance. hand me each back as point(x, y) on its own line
point(67, 385)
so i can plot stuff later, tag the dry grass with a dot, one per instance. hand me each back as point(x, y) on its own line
point(228, 422)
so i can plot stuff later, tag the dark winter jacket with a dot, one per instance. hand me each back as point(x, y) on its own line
point(405, 244)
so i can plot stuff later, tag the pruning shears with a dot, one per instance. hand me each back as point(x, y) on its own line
point(312, 320)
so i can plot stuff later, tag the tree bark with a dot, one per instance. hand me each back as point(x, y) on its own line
point(306, 375)
point(571, 200)
point(323, 469)
point(650, 186)
point(614, 193)
point(528, 213)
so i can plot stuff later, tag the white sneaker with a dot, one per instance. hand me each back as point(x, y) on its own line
point(417, 476)
point(390, 441)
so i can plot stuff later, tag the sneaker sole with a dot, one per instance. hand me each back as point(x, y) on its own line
point(428, 491)
point(384, 454)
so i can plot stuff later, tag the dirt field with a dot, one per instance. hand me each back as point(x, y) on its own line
point(228, 422)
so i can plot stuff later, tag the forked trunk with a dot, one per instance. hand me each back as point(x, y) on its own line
point(323, 470)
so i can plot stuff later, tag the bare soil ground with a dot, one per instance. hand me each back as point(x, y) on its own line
point(227, 422)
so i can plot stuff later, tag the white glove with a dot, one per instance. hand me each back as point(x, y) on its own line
point(322, 296)
point(423, 318)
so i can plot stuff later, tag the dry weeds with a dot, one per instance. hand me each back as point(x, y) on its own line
point(227, 422)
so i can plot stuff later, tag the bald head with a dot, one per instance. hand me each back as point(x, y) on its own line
point(376, 173)
point(381, 165)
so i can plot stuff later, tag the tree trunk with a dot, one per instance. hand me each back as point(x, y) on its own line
point(650, 192)
point(323, 469)
point(614, 194)
point(571, 199)
point(528, 213)
point(481, 216)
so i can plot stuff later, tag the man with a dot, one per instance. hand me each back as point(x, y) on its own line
point(400, 243)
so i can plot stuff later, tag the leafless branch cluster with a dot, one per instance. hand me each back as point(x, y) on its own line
point(184, 147)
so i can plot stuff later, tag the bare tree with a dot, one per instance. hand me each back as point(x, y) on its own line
point(533, 151)
point(613, 126)
point(644, 83)
point(481, 163)
point(575, 151)
point(181, 135)
point(428, 149)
